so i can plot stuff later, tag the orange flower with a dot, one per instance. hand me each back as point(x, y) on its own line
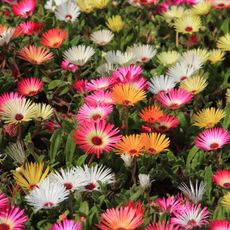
point(35, 55)
point(155, 143)
point(151, 114)
point(126, 94)
point(53, 38)
point(132, 145)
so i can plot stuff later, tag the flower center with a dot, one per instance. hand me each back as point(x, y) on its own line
point(126, 102)
point(226, 185)
point(121, 229)
point(48, 204)
point(221, 5)
point(132, 151)
point(174, 106)
point(192, 223)
point(68, 186)
point(162, 128)
point(19, 117)
point(144, 59)
point(32, 93)
point(96, 117)
point(214, 146)
point(152, 150)
point(188, 29)
point(90, 186)
point(4, 227)
point(97, 140)
point(32, 186)
point(68, 17)
point(183, 78)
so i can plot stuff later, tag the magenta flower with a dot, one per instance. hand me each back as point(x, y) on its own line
point(169, 205)
point(162, 226)
point(66, 225)
point(24, 8)
point(222, 178)
point(220, 225)
point(102, 83)
point(3, 201)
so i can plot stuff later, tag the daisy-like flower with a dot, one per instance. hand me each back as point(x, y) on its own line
point(203, 54)
point(6, 34)
point(79, 55)
point(228, 96)
point(162, 226)
point(201, 8)
point(223, 42)
point(173, 13)
point(144, 180)
point(53, 38)
point(99, 84)
point(165, 123)
point(161, 83)
point(120, 218)
point(168, 58)
point(222, 178)
point(220, 4)
point(194, 193)
point(151, 114)
point(125, 94)
point(226, 201)
point(16, 152)
point(127, 159)
point(168, 205)
point(68, 12)
point(102, 37)
point(96, 137)
point(132, 145)
point(188, 24)
point(30, 86)
point(120, 58)
point(80, 85)
point(99, 97)
point(174, 98)
point(66, 65)
point(216, 56)
point(208, 118)
point(93, 177)
point(4, 202)
point(191, 216)
point(100, 4)
point(30, 27)
point(212, 139)
point(115, 23)
point(66, 225)
point(220, 225)
point(35, 55)
point(30, 175)
point(47, 195)
point(18, 110)
point(12, 218)
point(155, 143)
point(24, 8)
point(105, 69)
point(51, 5)
point(142, 53)
point(85, 6)
point(7, 97)
point(44, 111)
point(195, 84)
point(94, 113)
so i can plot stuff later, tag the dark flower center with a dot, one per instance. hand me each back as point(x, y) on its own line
point(32, 186)
point(162, 127)
point(188, 29)
point(226, 185)
point(183, 78)
point(4, 227)
point(68, 186)
point(132, 151)
point(90, 186)
point(221, 5)
point(192, 223)
point(214, 146)
point(32, 93)
point(19, 117)
point(48, 204)
point(152, 150)
point(97, 140)
point(144, 59)
point(68, 17)
point(96, 117)
point(126, 102)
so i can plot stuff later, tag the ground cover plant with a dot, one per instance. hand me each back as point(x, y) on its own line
point(114, 114)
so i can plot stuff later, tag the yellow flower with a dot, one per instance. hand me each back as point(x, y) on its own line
point(226, 201)
point(224, 42)
point(168, 57)
point(188, 24)
point(30, 175)
point(44, 111)
point(201, 8)
point(203, 54)
point(228, 96)
point(115, 23)
point(100, 4)
point(173, 13)
point(208, 118)
point(85, 5)
point(195, 84)
point(216, 56)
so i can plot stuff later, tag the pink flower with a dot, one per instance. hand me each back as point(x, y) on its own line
point(3, 201)
point(165, 123)
point(222, 178)
point(24, 8)
point(162, 226)
point(102, 83)
point(30, 86)
point(168, 205)
point(99, 97)
point(220, 225)
point(30, 27)
point(162, 7)
point(66, 225)
point(51, 126)
point(80, 85)
point(10, 129)
point(66, 65)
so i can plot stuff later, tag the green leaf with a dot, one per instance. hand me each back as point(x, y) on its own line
point(55, 83)
point(190, 157)
point(226, 121)
point(81, 160)
point(84, 208)
point(225, 26)
point(55, 140)
point(219, 212)
point(208, 180)
point(70, 148)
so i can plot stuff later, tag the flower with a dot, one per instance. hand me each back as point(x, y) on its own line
point(220, 225)
point(173, 13)
point(105, 69)
point(220, 4)
point(168, 57)
point(16, 152)
point(162, 226)
point(80, 86)
point(100, 4)
point(168, 205)
point(194, 193)
point(212, 139)
point(102, 37)
point(12, 218)
point(125, 94)
point(99, 97)
point(79, 55)
point(93, 177)
point(119, 58)
point(30, 86)
point(191, 216)
point(30, 175)
point(85, 5)
point(94, 113)
point(155, 143)
point(115, 23)
point(127, 159)
point(188, 24)
point(99, 84)
point(66, 225)
point(53, 38)
point(47, 195)
point(226, 201)
point(174, 98)
point(96, 137)
point(3, 202)
point(7, 97)
point(67, 11)
point(35, 55)
point(51, 5)
point(151, 114)
point(132, 145)
point(30, 27)
point(161, 83)
point(202, 54)
point(222, 178)
point(223, 42)
point(24, 8)
point(66, 65)
point(6, 34)
point(228, 96)
point(208, 118)
point(165, 123)
point(216, 55)
point(120, 218)
point(201, 8)
point(144, 180)
point(44, 111)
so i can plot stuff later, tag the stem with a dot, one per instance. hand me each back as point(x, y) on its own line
point(188, 43)
point(19, 134)
point(127, 120)
point(177, 39)
point(133, 169)
point(91, 159)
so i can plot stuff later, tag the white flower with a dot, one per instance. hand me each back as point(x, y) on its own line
point(102, 37)
point(194, 193)
point(16, 152)
point(186, 67)
point(120, 58)
point(79, 55)
point(51, 5)
point(67, 11)
point(161, 83)
point(203, 54)
point(44, 111)
point(105, 69)
point(6, 35)
point(47, 195)
point(93, 176)
point(142, 53)
point(144, 180)
point(127, 159)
